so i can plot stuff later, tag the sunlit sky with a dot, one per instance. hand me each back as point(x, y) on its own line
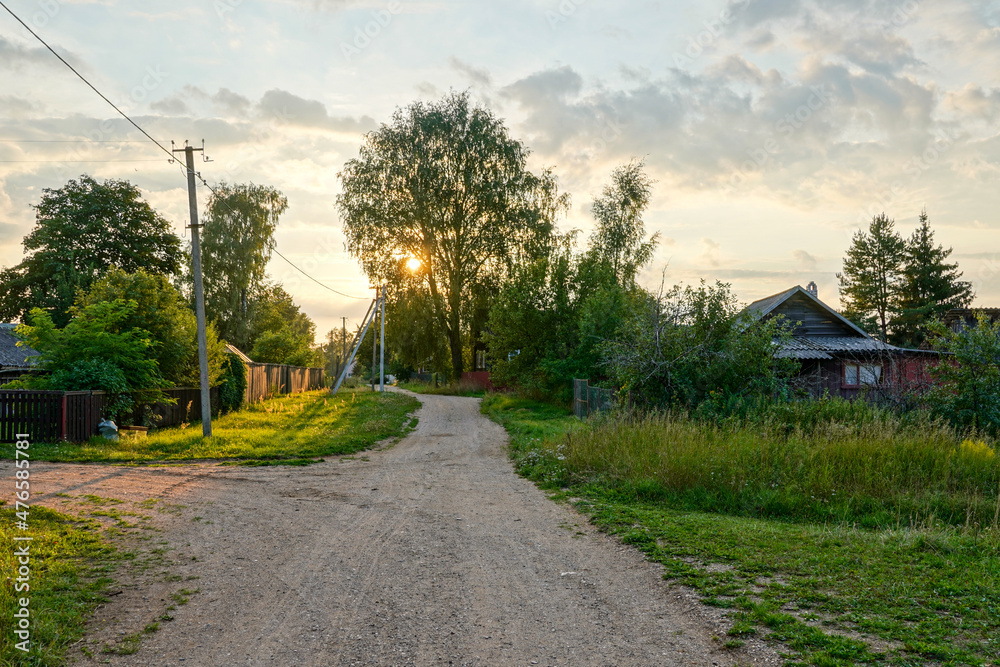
point(773, 129)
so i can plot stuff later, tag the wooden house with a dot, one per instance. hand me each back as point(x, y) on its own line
point(14, 361)
point(958, 319)
point(837, 356)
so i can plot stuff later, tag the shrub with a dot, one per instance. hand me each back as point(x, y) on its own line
point(232, 391)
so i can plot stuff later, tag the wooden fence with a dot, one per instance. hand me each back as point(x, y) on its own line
point(36, 413)
point(587, 400)
point(265, 380)
point(50, 416)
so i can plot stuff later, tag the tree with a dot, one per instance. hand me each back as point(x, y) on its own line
point(967, 381)
point(236, 245)
point(930, 287)
point(284, 346)
point(233, 385)
point(687, 344)
point(81, 230)
point(413, 331)
point(618, 242)
point(446, 185)
point(533, 325)
point(161, 311)
point(94, 352)
point(557, 312)
point(872, 275)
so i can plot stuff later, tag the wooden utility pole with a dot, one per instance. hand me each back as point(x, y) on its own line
point(199, 290)
point(375, 338)
point(343, 356)
point(381, 347)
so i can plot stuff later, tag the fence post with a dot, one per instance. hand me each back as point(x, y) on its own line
point(581, 397)
point(62, 418)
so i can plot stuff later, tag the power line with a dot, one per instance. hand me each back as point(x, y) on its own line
point(82, 78)
point(359, 298)
point(86, 161)
point(148, 136)
point(72, 141)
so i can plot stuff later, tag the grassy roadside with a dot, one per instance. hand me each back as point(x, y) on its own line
point(69, 568)
point(462, 388)
point(826, 593)
point(292, 429)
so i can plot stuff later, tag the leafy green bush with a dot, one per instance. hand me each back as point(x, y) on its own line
point(92, 352)
point(232, 391)
point(967, 381)
point(689, 344)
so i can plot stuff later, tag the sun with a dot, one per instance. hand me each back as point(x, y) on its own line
point(413, 264)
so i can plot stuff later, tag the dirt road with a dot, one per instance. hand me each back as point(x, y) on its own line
point(429, 552)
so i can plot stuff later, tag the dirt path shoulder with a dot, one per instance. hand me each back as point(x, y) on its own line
point(429, 552)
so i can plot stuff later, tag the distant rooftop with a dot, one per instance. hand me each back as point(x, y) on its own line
point(13, 357)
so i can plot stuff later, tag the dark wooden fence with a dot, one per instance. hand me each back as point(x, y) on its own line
point(36, 413)
point(587, 400)
point(50, 416)
point(265, 380)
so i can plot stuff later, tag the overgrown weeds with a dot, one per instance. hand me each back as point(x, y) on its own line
point(873, 472)
point(870, 539)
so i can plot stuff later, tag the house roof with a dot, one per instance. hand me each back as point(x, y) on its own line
point(819, 331)
point(763, 307)
point(963, 317)
point(12, 356)
point(831, 347)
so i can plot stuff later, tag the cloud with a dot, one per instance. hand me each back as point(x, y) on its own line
point(14, 56)
point(289, 109)
point(806, 261)
point(477, 76)
point(976, 101)
point(18, 107)
point(710, 256)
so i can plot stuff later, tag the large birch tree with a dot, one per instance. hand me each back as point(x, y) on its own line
point(444, 184)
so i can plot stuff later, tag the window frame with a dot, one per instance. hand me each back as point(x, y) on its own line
point(876, 369)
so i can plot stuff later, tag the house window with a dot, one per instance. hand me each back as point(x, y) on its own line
point(856, 375)
point(480, 360)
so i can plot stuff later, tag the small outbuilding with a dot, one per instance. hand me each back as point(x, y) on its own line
point(15, 360)
point(837, 356)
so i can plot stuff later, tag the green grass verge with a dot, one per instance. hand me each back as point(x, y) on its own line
point(69, 565)
point(467, 389)
point(825, 593)
point(293, 428)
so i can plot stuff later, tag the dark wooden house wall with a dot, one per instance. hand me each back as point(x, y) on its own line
point(814, 321)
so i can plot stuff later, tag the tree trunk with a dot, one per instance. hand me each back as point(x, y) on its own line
point(456, 356)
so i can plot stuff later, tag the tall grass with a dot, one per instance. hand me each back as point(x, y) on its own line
point(875, 470)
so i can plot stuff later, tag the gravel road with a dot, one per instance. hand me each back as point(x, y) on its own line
point(428, 552)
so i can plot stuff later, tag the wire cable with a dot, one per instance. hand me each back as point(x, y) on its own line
point(359, 298)
point(72, 141)
point(169, 153)
point(82, 78)
point(82, 161)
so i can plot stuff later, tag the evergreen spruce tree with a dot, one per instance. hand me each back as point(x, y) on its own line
point(870, 281)
point(929, 287)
